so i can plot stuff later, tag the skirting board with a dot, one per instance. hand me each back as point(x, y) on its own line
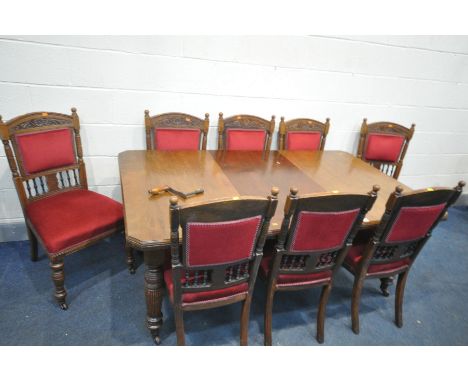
point(17, 231)
point(13, 231)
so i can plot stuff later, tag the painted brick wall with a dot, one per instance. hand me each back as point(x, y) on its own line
point(111, 80)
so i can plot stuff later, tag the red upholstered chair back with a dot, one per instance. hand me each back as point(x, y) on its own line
point(44, 153)
point(302, 134)
point(384, 145)
point(222, 242)
point(408, 222)
point(245, 132)
point(318, 229)
point(176, 131)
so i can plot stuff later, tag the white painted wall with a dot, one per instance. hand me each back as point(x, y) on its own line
point(111, 80)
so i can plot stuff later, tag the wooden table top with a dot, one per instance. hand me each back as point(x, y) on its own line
point(233, 173)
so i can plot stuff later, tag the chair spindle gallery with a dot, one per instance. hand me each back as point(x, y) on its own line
point(316, 234)
point(176, 131)
point(404, 229)
point(245, 132)
point(302, 134)
point(384, 145)
point(50, 178)
point(222, 246)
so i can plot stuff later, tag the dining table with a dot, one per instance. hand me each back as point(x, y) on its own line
point(228, 174)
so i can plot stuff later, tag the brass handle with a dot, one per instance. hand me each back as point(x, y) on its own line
point(158, 190)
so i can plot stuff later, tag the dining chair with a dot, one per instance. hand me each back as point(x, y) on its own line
point(245, 132)
point(403, 231)
point(49, 174)
point(222, 246)
point(315, 236)
point(302, 134)
point(176, 131)
point(384, 145)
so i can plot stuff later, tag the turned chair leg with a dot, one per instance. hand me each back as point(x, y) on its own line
point(58, 277)
point(32, 243)
point(321, 313)
point(130, 259)
point(384, 284)
point(268, 317)
point(400, 290)
point(355, 301)
point(244, 322)
point(179, 323)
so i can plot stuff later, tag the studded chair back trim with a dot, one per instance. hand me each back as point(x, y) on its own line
point(316, 231)
point(210, 244)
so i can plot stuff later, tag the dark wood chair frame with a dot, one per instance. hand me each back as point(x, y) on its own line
point(286, 262)
point(392, 169)
point(175, 121)
point(302, 124)
point(32, 187)
point(378, 252)
point(248, 122)
point(214, 276)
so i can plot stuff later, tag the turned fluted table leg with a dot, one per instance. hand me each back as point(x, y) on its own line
point(154, 292)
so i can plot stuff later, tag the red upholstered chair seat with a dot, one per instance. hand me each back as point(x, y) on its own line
point(46, 150)
point(294, 279)
point(383, 147)
point(70, 218)
point(245, 139)
point(176, 139)
point(354, 257)
point(206, 296)
point(303, 140)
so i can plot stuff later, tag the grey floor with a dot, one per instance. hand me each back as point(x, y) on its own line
point(107, 304)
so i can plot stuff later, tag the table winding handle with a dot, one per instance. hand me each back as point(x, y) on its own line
point(183, 195)
point(158, 190)
point(196, 192)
